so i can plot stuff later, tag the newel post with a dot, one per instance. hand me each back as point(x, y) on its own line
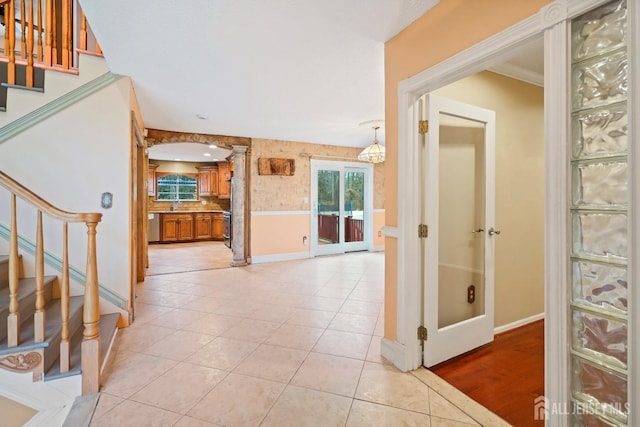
point(91, 318)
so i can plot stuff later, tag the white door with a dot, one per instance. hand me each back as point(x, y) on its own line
point(341, 195)
point(459, 211)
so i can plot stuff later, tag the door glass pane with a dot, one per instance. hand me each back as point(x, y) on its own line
point(353, 206)
point(599, 203)
point(461, 220)
point(328, 207)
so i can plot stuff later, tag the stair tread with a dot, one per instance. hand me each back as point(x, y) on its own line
point(52, 328)
point(108, 327)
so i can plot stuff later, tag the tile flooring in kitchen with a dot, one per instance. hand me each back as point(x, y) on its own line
point(165, 258)
point(293, 343)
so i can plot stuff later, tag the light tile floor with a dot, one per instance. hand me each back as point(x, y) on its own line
point(282, 344)
point(180, 257)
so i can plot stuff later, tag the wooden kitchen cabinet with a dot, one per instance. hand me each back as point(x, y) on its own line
point(151, 180)
point(203, 226)
point(217, 226)
point(208, 180)
point(224, 181)
point(176, 227)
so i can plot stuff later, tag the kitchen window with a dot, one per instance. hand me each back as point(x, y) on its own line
point(177, 187)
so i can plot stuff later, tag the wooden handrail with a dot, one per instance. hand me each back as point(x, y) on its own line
point(90, 352)
point(24, 193)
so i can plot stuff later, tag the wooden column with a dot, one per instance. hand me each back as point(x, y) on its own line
point(38, 316)
point(91, 318)
point(13, 321)
point(64, 301)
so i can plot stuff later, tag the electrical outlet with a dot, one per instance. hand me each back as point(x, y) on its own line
point(304, 240)
point(379, 233)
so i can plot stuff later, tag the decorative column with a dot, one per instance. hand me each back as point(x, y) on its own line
point(238, 194)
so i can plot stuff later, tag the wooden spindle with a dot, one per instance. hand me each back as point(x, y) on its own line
point(23, 28)
point(11, 29)
point(30, 72)
point(91, 318)
point(48, 35)
point(64, 301)
point(38, 315)
point(13, 321)
point(83, 31)
point(6, 27)
point(40, 54)
point(66, 34)
point(54, 31)
point(98, 48)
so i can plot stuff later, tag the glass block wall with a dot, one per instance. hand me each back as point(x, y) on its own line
point(599, 204)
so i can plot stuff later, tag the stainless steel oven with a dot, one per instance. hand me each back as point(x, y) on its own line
point(227, 228)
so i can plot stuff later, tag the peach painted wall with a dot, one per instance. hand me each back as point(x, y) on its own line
point(447, 29)
point(279, 234)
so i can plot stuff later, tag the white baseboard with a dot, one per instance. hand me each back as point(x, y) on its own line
point(395, 352)
point(518, 323)
point(379, 248)
point(259, 259)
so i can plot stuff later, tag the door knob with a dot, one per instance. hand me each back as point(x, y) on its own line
point(493, 231)
point(478, 230)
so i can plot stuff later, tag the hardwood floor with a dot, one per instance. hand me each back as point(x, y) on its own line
point(505, 375)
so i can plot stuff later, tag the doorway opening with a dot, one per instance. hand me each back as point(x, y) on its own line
point(488, 280)
point(342, 206)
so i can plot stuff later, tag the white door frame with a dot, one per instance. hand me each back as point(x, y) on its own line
point(368, 200)
point(552, 22)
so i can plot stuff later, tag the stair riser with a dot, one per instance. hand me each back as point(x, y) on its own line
point(26, 307)
point(52, 352)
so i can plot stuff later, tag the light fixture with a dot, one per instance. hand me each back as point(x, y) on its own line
point(207, 154)
point(375, 152)
point(213, 146)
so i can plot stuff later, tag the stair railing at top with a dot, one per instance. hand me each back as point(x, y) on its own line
point(90, 352)
point(49, 43)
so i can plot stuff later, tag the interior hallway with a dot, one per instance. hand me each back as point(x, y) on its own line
point(282, 344)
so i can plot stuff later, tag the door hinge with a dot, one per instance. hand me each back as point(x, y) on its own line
point(422, 333)
point(423, 231)
point(423, 127)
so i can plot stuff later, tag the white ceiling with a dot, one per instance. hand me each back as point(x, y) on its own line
point(296, 70)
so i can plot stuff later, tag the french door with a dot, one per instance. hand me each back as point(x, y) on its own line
point(459, 210)
point(342, 203)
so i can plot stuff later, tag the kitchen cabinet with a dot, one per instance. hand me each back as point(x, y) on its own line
point(208, 178)
point(177, 227)
point(151, 180)
point(203, 226)
point(217, 226)
point(224, 181)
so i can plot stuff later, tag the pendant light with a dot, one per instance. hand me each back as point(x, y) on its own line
point(375, 152)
